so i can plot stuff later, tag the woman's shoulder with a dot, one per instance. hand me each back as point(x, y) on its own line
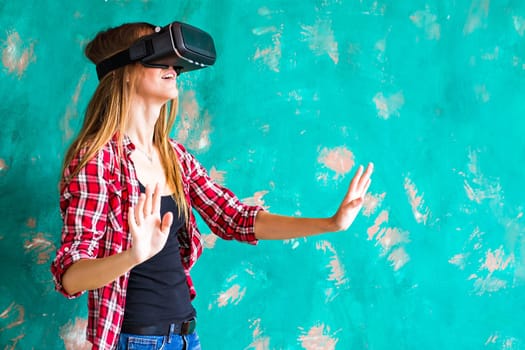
point(104, 158)
point(179, 148)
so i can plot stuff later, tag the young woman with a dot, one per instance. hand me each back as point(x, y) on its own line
point(129, 235)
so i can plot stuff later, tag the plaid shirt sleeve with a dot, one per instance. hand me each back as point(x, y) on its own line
point(84, 208)
point(222, 211)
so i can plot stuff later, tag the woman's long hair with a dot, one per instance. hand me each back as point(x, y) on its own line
point(108, 110)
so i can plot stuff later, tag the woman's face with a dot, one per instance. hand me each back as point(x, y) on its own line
point(156, 85)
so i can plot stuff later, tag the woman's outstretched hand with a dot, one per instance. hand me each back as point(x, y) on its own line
point(148, 231)
point(353, 200)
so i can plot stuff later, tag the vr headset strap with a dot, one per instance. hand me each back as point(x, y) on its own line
point(116, 61)
point(124, 57)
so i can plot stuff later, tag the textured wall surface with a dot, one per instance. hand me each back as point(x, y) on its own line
point(431, 91)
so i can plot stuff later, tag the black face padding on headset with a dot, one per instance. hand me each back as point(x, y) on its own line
point(177, 45)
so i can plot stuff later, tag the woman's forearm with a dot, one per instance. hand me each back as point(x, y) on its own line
point(88, 274)
point(272, 226)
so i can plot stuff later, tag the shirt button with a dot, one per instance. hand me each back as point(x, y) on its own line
point(66, 249)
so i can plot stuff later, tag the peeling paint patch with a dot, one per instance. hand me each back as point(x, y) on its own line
point(419, 210)
point(42, 246)
point(270, 55)
point(217, 175)
point(477, 186)
point(232, 295)
point(260, 342)
point(318, 338)
point(14, 312)
point(72, 109)
point(495, 260)
point(321, 40)
point(398, 258)
point(388, 106)
point(209, 240)
point(3, 166)
point(380, 219)
point(428, 22)
point(477, 16)
point(371, 202)
point(337, 271)
point(14, 341)
point(74, 335)
point(339, 159)
point(31, 222)
point(194, 126)
point(17, 55)
point(391, 240)
point(458, 260)
point(257, 199)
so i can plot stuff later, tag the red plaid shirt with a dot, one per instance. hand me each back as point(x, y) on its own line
point(94, 207)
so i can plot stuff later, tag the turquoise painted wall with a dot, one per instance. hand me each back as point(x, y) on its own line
point(431, 91)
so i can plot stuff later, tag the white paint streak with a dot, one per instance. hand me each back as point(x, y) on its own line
point(420, 211)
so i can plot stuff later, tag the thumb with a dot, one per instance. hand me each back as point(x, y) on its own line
point(167, 220)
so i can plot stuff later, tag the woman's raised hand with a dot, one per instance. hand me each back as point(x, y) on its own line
point(353, 200)
point(149, 233)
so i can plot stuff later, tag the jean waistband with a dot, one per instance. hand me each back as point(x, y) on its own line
point(180, 328)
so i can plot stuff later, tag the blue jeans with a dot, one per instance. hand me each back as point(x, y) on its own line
point(159, 342)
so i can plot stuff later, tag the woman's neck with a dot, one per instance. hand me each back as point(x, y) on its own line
point(141, 127)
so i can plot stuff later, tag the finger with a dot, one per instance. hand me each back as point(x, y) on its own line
point(139, 209)
point(167, 220)
point(156, 199)
point(355, 180)
point(364, 179)
point(147, 201)
point(365, 189)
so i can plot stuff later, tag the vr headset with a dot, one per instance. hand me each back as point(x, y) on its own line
point(177, 45)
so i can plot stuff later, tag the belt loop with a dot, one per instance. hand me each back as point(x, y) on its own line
point(172, 330)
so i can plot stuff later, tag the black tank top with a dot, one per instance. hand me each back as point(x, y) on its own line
point(157, 290)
